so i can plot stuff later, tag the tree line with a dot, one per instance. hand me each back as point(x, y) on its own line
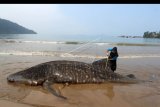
point(151, 34)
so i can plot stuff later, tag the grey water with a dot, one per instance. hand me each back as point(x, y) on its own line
point(77, 45)
point(80, 38)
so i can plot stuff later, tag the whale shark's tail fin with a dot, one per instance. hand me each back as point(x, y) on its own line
point(47, 86)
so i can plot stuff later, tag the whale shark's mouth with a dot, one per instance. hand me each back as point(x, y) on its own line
point(18, 79)
point(13, 78)
point(22, 80)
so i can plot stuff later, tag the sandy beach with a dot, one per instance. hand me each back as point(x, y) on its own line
point(144, 94)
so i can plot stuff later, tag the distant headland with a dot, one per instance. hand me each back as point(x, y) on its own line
point(8, 27)
point(125, 36)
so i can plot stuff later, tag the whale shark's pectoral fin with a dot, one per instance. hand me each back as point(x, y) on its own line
point(47, 86)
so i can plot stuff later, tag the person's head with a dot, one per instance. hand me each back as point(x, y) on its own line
point(114, 50)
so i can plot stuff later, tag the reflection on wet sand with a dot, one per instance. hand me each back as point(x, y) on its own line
point(82, 94)
point(13, 92)
point(110, 92)
point(85, 95)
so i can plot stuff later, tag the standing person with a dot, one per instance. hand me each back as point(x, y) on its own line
point(112, 58)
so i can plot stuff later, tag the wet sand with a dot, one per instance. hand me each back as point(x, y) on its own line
point(144, 94)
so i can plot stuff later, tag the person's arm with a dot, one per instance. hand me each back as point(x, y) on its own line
point(109, 49)
point(107, 52)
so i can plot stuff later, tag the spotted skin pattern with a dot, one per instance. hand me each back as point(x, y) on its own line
point(63, 71)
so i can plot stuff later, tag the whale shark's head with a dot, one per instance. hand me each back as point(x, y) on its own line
point(17, 78)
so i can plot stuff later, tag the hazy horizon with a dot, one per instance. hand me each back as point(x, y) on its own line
point(85, 19)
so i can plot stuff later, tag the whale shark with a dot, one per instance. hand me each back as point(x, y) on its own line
point(72, 72)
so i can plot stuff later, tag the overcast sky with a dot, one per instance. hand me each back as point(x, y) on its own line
point(85, 19)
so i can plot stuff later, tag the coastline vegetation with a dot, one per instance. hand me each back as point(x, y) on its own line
point(151, 34)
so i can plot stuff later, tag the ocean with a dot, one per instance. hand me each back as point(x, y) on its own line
point(77, 46)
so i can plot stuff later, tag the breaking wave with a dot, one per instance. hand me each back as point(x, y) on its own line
point(73, 55)
point(76, 42)
point(27, 41)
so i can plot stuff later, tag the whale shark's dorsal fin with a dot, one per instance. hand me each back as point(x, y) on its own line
point(47, 86)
